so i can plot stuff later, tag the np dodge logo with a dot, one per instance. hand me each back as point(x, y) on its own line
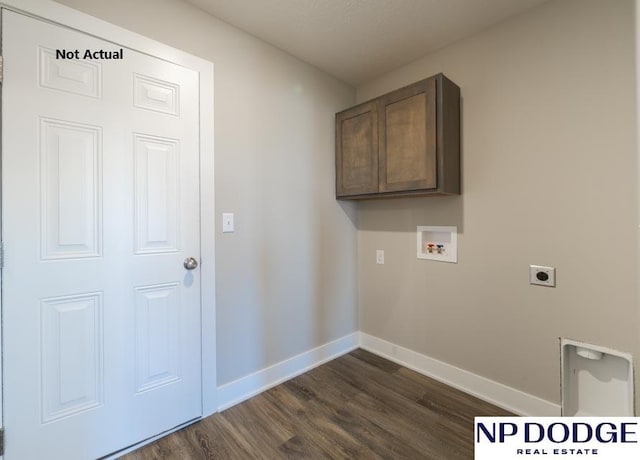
point(501, 438)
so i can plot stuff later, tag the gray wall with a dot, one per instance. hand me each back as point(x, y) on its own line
point(549, 178)
point(286, 279)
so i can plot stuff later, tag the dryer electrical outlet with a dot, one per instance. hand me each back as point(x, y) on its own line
point(543, 276)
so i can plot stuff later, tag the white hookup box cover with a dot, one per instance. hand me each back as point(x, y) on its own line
point(597, 438)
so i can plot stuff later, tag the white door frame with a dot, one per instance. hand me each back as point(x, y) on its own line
point(70, 18)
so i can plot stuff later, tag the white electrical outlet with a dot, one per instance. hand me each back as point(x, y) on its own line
point(543, 276)
point(379, 256)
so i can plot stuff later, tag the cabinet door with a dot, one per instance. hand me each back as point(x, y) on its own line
point(357, 150)
point(408, 138)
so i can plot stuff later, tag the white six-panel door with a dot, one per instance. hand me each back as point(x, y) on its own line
point(100, 207)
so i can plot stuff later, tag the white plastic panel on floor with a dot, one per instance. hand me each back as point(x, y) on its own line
point(596, 381)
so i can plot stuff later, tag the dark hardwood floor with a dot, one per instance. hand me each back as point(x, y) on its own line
point(359, 406)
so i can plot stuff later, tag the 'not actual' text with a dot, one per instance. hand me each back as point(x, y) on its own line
point(89, 54)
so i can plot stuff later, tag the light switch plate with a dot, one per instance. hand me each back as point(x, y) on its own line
point(543, 276)
point(379, 256)
point(227, 222)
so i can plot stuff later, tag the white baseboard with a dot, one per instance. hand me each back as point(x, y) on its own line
point(244, 388)
point(501, 395)
point(496, 393)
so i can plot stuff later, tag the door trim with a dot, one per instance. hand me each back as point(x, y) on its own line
point(67, 17)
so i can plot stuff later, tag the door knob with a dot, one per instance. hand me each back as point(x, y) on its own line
point(190, 263)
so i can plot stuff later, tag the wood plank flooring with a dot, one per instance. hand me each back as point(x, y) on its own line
point(359, 406)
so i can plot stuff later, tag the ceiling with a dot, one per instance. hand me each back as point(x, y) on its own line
point(357, 40)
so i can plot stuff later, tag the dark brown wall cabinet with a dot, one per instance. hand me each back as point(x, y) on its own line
point(406, 142)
